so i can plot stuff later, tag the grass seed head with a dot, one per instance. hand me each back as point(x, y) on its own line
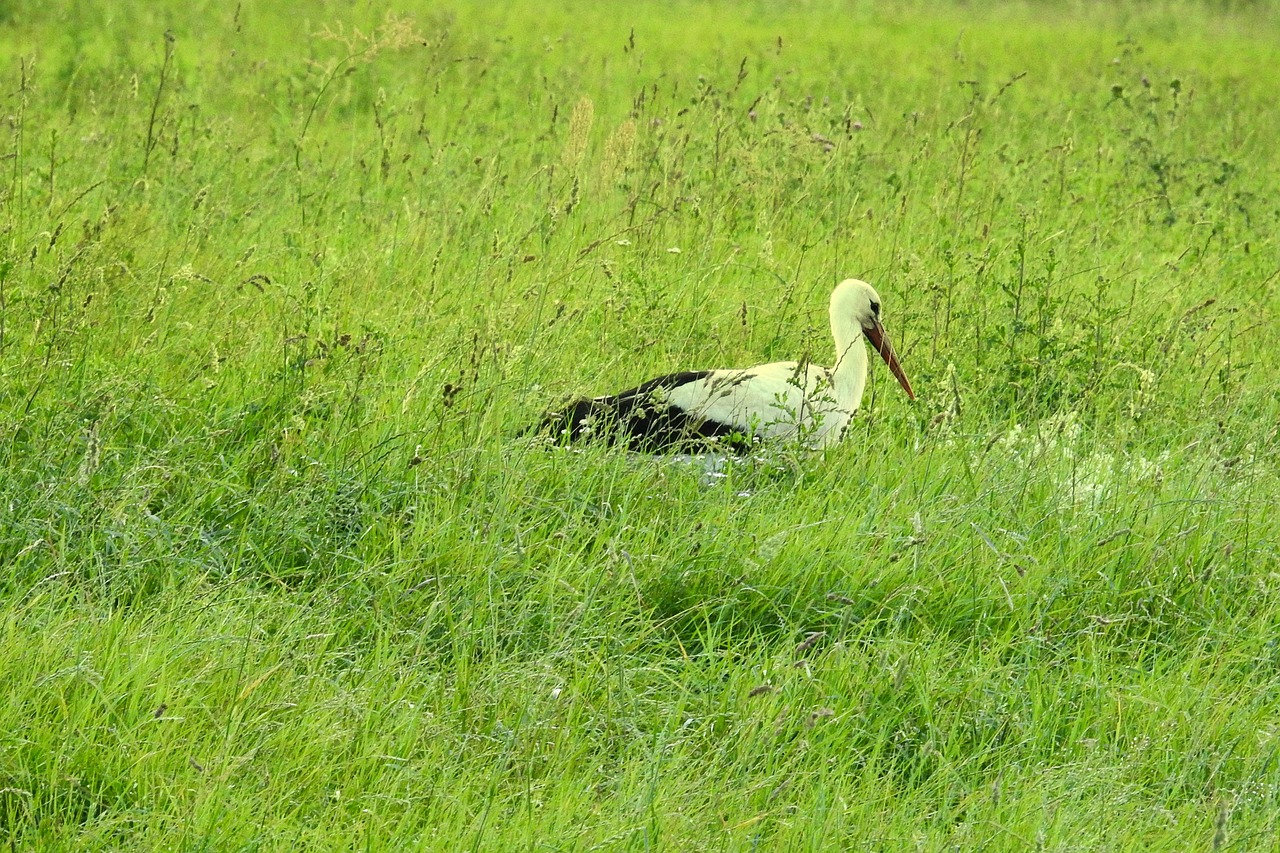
point(575, 147)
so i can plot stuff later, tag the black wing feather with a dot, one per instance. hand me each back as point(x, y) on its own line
point(643, 420)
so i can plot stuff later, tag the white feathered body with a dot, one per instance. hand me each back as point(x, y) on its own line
point(782, 400)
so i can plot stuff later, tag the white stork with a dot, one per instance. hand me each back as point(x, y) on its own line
point(785, 400)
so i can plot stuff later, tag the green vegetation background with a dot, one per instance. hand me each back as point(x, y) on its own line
point(277, 287)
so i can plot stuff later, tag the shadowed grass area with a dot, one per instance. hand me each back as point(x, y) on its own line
point(278, 289)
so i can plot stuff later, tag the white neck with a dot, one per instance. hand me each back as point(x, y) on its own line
point(849, 373)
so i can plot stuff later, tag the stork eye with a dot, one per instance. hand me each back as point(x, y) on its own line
point(875, 308)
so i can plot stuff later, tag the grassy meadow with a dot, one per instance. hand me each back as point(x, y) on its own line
point(279, 286)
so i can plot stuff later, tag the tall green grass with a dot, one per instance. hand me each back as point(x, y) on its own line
point(277, 289)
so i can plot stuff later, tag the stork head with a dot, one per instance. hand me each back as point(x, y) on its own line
point(856, 304)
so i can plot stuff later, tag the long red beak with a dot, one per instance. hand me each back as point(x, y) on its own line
point(876, 335)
